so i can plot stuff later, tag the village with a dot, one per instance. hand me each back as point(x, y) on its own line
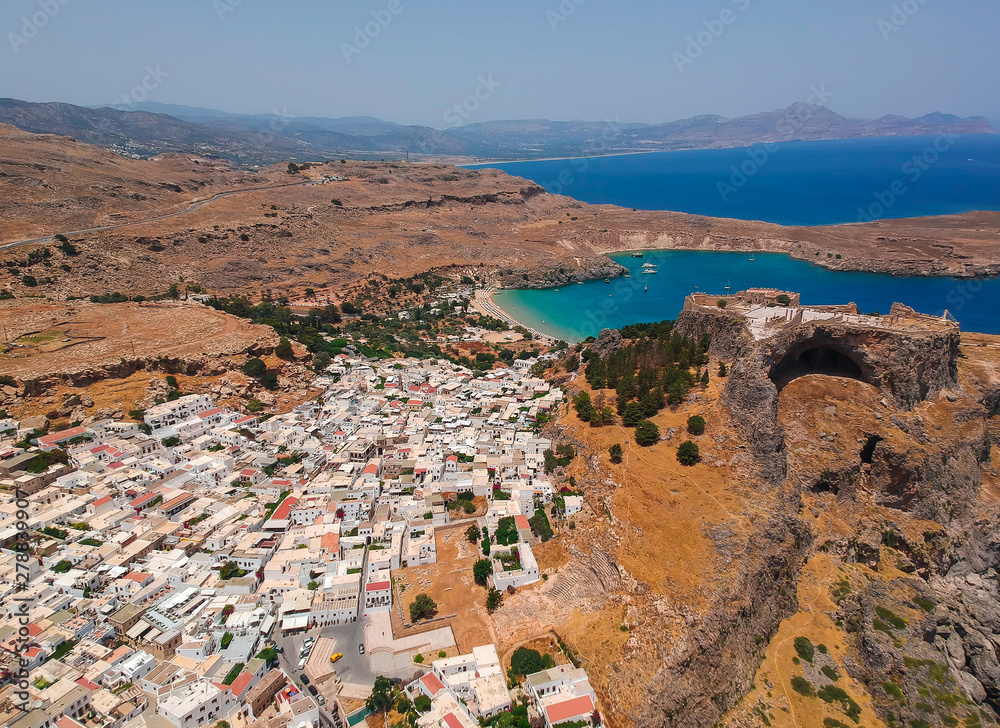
point(209, 567)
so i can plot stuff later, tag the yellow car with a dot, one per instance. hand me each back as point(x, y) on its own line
point(336, 656)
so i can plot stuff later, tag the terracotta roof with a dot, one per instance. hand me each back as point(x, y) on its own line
point(521, 522)
point(377, 586)
point(61, 436)
point(573, 708)
point(208, 413)
point(240, 683)
point(284, 509)
point(452, 721)
point(102, 501)
point(432, 683)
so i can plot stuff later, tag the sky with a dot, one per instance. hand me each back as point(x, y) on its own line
point(413, 61)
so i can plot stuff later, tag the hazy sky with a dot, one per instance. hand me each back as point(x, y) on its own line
point(412, 60)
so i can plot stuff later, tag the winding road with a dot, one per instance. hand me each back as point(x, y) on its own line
point(190, 208)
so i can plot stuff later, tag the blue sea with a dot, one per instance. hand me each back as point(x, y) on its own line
point(798, 183)
point(574, 312)
point(792, 183)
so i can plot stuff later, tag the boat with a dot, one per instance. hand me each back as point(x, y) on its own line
point(649, 265)
point(579, 283)
point(751, 257)
point(649, 272)
point(637, 254)
point(557, 290)
point(607, 280)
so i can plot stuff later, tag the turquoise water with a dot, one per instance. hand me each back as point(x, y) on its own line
point(575, 312)
point(792, 183)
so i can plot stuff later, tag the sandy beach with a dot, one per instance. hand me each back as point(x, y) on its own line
point(485, 304)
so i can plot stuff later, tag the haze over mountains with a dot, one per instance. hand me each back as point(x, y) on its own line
point(149, 128)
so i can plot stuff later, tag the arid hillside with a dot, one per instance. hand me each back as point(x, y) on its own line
point(394, 219)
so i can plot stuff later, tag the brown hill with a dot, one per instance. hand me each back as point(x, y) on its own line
point(391, 218)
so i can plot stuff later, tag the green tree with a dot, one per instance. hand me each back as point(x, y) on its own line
point(493, 600)
point(293, 168)
point(704, 379)
point(254, 406)
point(473, 533)
point(255, 368)
point(688, 453)
point(584, 406)
point(696, 425)
point(312, 585)
point(422, 703)
point(29, 281)
point(381, 698)
point(171, 381)
point(284, 349)
point(173, 291)
point(525, 661)
point(783, 300)
point(481, 571)
point(616, 453)
point(721, 303)
point(632, 415)
point(647, 433)
point(422, 607)
point(722, 369)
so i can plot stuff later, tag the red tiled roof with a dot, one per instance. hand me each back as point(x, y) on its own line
point(84, 682)
point(102, 501)
point(567, 709)
point(377, 586)
point(284, 509)
point(432, 683)
point(208, 413)
point(240, 683)
point(521, 522)
point(452, 721)
point(61, 436)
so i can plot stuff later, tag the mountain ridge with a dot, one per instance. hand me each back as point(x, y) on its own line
point(145, 130)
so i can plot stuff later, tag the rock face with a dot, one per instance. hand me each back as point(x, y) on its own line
point(907, 364)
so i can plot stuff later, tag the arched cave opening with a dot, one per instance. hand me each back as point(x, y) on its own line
point(815, 359)
point(825, 486)
point(868, 451)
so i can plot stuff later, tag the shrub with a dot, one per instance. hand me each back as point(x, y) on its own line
point(688, 454)
point(696, 425)
point(783, 300)
point(29, 281)
point(418, 659)
point(830, 673)
point(804, 648)
point(721, 303)
point(473, 534)
point(802, 686)
point(422, 703)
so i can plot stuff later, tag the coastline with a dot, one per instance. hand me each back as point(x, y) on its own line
point(487, 305)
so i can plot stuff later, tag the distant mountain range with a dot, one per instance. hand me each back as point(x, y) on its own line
point(151, 128)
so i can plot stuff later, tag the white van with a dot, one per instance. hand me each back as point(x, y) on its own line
point(302, 663)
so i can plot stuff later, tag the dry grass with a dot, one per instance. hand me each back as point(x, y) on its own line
point(784, 707)
point(450, 584)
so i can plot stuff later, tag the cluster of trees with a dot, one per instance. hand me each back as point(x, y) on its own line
point(559, 458)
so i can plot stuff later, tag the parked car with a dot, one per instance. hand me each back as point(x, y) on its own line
point(313, 690)
point(361, 648)
point(336, 656)
point(279, 649)
point(302, 663)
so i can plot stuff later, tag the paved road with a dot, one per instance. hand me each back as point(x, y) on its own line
point(191, 208)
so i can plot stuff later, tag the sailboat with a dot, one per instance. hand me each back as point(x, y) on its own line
point(751, 256)
point(646, 287)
